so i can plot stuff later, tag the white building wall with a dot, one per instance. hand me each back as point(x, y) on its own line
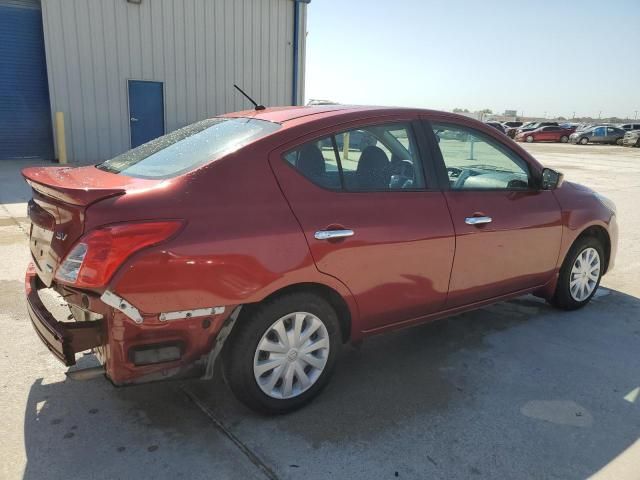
point(197, 48)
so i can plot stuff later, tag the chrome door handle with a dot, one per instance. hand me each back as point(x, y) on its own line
point(331, 234)
point(477, 220)
point(133, 119)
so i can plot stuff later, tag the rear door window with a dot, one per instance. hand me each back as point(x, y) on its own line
point(317, 161)
point(372, 158)
point(385, 158)
point(189, 147)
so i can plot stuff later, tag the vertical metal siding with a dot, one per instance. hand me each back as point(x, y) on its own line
point(197, 48)
point(25, 124)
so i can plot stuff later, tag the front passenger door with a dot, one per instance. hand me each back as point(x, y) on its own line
point(508, 232)
point(599, 135)
point(545, 134)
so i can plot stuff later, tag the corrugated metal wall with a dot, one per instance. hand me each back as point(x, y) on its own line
point(25, 121)
point(198, 48)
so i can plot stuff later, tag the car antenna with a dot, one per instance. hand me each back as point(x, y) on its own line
point(257, 107)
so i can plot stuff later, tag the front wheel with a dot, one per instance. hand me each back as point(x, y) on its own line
point(564, 139)
point(529, 139)
point(580, 274)
point(282, 353)
point(584, 141)
point(619, 141)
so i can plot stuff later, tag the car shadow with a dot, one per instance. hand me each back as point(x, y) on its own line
point(437, 384)
point(447, 399)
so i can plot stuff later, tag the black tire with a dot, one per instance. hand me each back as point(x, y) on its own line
point(564, 139)
point(562, 297)
point(238, 356)
point(529, 139)
point(583, 141)
point(619, 141)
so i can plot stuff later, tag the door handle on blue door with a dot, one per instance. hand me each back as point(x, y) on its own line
point(477, 220)
point(331, 234)
point(133, 119)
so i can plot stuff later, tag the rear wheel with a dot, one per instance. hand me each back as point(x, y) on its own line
point(564, 139)
point(583, 141)
point(283, 353)
point(580, 274)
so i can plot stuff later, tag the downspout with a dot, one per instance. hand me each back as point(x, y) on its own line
point(296, 48)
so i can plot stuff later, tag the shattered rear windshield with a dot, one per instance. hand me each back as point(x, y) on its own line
point(188, 148)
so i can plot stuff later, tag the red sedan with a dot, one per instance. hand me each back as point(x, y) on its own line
point(267, 239)
point(546, 134)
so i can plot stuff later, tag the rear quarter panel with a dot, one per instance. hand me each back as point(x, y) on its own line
point(239, 244)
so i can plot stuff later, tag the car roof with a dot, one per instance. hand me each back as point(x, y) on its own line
point(310, 113)
point(285, 114)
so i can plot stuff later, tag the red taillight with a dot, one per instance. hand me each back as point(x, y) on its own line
point(96, 256)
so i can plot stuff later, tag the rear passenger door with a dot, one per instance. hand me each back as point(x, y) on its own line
point(371, 216)
point(613, 134)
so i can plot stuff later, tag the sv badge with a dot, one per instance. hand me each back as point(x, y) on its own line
point(61, 236)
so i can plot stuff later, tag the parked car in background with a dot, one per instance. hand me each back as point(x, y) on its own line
point(598, 134)
point(631, 138)
point(280, 250)
point(534, 125)
point(357, 140)
point(321, 101)
point(510, 128)
point(512, 124)
point(630, 126)
point(552, 133)
point(497, 125)
point(586, 126)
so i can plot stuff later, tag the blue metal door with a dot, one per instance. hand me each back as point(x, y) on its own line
point(25, 113)
point(146, 111)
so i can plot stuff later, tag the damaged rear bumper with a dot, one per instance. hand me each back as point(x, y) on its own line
point(63, 339)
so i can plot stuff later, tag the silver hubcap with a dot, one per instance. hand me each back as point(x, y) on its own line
point(291, 355)
point(584, 274)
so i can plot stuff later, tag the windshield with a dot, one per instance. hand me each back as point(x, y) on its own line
point(188, 148)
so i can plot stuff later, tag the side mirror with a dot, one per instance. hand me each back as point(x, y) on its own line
point(551, 179)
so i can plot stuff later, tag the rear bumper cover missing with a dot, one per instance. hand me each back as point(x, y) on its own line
point(63, 339)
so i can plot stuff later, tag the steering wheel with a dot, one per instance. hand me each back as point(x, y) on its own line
point(402, 174)
point(454, 172)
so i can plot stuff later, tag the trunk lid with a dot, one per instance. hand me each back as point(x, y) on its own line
point(61, 196)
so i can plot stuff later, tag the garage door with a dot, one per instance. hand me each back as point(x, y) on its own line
point(25, 115)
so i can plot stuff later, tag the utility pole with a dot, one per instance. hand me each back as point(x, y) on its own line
point(636, 115)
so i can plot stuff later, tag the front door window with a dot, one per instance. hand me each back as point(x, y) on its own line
point(474, 161)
